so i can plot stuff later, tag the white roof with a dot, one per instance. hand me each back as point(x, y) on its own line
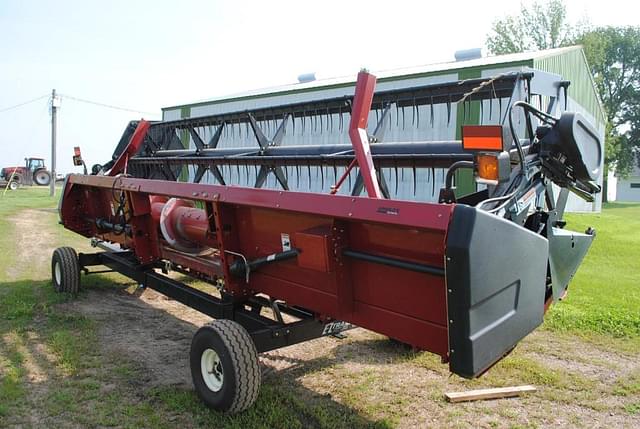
point(390, 74)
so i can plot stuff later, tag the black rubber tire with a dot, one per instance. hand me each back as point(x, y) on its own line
point(41, 177)
point(17, 178)
point(68, 277)
point(239, 359)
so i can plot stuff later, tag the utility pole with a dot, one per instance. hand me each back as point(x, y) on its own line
point(55, 103)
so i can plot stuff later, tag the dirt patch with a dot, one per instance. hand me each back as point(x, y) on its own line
point(364, 372)
point(34, 244)
point(142, 328)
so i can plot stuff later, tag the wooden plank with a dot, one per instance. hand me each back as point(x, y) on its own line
point(482, 394)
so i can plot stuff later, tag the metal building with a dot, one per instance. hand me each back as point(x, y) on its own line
point(424, 122)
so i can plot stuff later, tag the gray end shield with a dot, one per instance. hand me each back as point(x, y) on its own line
point(567, 249)
point(496, 275)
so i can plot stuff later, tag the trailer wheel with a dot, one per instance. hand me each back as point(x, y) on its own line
point(224, 366)
point(13, 185)
point(65, 270)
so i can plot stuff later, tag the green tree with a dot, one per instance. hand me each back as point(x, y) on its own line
point(613, 53)
point(539, 26)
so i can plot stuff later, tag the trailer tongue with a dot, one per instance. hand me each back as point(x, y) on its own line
point(465, 277)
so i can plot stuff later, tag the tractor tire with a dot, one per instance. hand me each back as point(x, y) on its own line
point(224, 366)
point(18, 179)
point(65, 270)
point(42, 177)
point(13, 185)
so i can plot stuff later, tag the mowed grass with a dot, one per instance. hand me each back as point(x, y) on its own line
point(76, 384)
point(54, 372)
point(604, 295)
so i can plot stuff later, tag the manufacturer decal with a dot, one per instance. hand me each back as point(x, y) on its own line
point(388, 210)
point(335, 327)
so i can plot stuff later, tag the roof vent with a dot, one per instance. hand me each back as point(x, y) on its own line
point(468, 54)
point(306, 77)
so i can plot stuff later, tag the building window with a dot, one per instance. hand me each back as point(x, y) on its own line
point(635, 185)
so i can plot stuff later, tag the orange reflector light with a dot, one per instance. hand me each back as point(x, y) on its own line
point(487, 167)
point(482, 137)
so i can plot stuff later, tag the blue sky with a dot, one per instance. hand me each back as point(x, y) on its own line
point(149, 54)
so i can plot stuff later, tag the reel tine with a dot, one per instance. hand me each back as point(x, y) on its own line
point(297, 176)
point(415, 180)
point(449, 111)
point(396, 171)
point(413, 112)
point(321, 125)
point(500, 105)
point(398, 115)
point(309, 169)
point(431, 112)
point(304, 120)
point(330, 115)
point(322, 176)
point(293, 124)
point(433, 181)
point(464, 112)
point(490, 108)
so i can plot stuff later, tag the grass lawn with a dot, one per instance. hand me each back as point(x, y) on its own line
point(54, 370)
point(604, 296)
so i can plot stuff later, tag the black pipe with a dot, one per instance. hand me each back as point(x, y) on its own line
point(328, 150)
point(239, 267)
point(392, 262)
point(116, 228)
point(453, 168)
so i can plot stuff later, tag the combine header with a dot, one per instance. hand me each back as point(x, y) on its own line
point(293, 252)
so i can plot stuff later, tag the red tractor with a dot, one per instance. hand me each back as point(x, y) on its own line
point(34, 171)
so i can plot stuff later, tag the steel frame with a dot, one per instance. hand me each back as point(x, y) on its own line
point(267, 334)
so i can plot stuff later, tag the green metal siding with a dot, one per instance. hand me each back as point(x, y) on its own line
point(469, 115)
point(185, 112)
point(572, 66)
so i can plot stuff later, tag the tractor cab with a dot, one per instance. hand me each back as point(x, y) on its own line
point(34, 164)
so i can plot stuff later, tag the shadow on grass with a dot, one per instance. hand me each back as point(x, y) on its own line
point(56, 355)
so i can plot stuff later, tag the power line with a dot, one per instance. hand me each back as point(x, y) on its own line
point(109, 106)
point(6, 109)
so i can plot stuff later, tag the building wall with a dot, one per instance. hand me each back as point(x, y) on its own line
point(426, 123)
point(628, 189)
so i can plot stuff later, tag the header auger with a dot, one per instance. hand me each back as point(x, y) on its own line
point(262, 206)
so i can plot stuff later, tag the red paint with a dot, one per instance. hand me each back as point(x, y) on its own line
point(365, 87)
point(132, 148)
point(405, 305)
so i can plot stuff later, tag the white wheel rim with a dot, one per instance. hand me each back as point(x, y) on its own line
point(58, 273)
point(211, 368)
